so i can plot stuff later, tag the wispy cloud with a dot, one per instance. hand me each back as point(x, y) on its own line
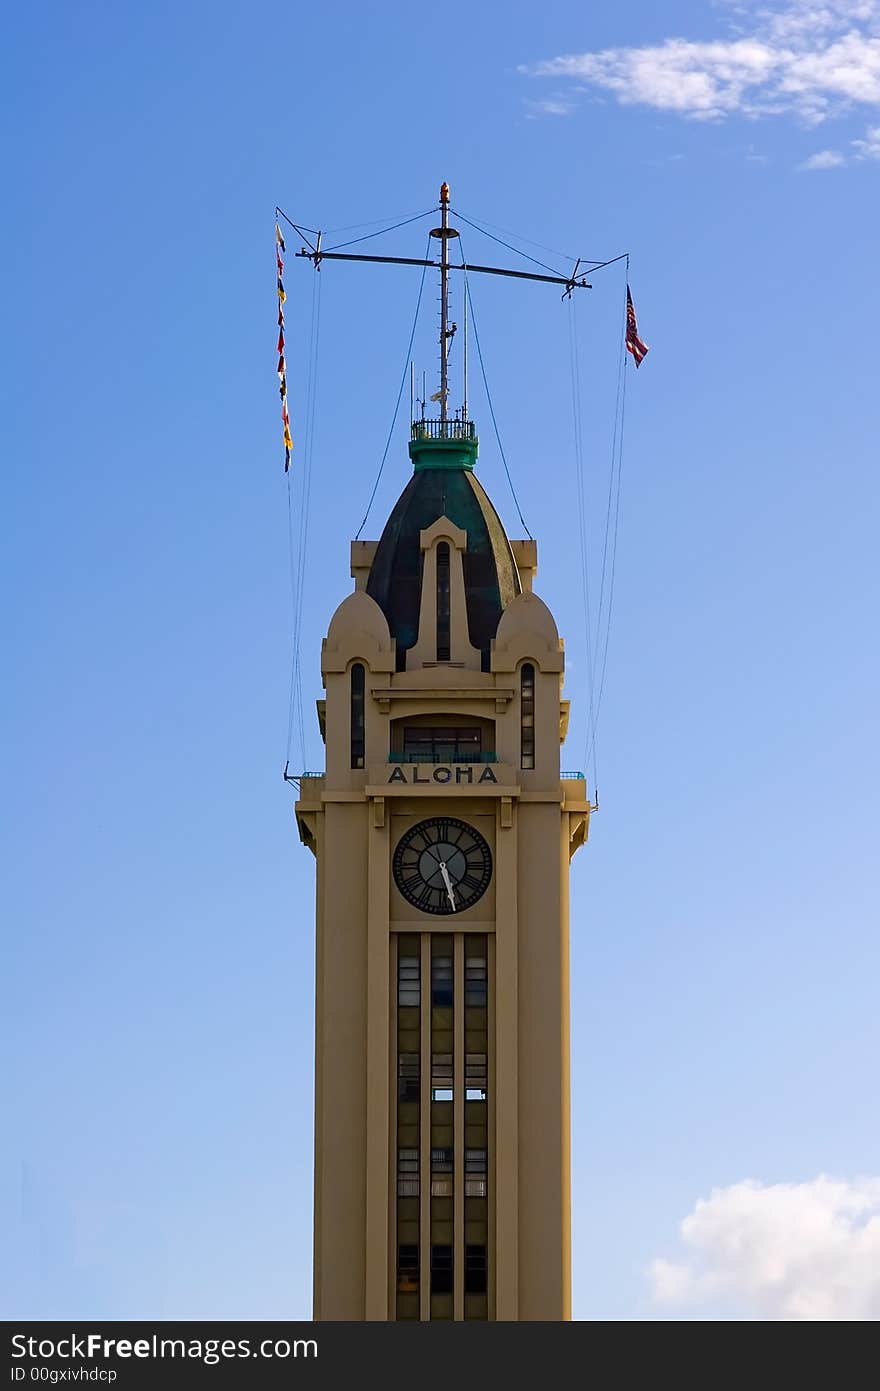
point(859, 151)
point(549, 106)
point(869, 148)
point(805, 58)
point(824, 159)
point(781, 1251)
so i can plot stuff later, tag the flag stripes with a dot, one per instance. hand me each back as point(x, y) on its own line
point(282, 363)
point(634, 343)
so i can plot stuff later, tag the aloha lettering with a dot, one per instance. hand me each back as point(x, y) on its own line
point(421, 774)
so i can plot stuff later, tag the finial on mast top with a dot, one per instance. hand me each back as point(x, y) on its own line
point(444, 192)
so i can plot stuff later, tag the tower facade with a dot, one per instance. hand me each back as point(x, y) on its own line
point(442, 830)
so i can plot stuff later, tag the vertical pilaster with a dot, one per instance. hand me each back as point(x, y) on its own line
point(320, 997)
point(491, 977)
point(506, 995)
point(565, 1056)
point(377, 1109)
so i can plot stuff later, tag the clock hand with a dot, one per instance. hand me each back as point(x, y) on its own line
point(448, 882)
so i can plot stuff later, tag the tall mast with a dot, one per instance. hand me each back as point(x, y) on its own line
point(444, 297)
point(444, 232)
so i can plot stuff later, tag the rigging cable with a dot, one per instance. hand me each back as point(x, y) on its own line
point(470, 301)
point(405, 223)
point(611, 531)
point(403, 378)
point(613, 540)
point(297, 552)
point(554, 270)
point(592, 264)
point(574, 364)
point(304, 523)
point(481, 224)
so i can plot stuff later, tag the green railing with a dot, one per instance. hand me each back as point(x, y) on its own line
point(443, 430)
point(572, 777)
point(397, 757)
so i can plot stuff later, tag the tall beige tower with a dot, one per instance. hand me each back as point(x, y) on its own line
point(443, 831)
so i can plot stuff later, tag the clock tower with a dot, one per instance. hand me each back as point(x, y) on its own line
point(442, 830)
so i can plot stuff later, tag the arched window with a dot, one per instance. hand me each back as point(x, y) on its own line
point(358, 684)
point(527, 715)
point(443, 602)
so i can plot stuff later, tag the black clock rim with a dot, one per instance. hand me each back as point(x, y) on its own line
point(480, 839)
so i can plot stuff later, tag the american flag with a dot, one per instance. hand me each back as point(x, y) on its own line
point(634, 343)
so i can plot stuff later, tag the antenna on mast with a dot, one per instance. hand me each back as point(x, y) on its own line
point(444, 232)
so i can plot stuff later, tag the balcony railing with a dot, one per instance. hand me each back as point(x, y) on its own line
point(434, 757)
point(443, 430)
point(571, 777)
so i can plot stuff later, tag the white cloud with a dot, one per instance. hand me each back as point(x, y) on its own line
point(869, 148)
point(781, 1251)
point(805, 58)
point(824, 159)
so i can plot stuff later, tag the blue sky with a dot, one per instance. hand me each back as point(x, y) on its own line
point(159, 937)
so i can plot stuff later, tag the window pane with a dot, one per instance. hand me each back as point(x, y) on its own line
point(475, 982)
point(408, 1269)
point(408, 1076)
point(441, 744)
point(441, 1077)
point(358, 682)
point(408, 981)
point(475, 1269)
point(441, 1269)
point(527, 716)
point(443, 602)
point(475, 1076)
point(441, 981)
point(408, 1173)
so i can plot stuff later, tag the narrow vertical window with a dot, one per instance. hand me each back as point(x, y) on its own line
point(443, 602)
point(409, 1138)
point(358, 683)
point(442, 1190)
point(476, 1127)
point(527, 715)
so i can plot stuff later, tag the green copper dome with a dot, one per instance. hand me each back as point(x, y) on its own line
point(491, 578)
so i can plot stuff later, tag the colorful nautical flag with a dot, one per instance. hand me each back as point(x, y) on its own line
point(633, 342)
point(282, 364)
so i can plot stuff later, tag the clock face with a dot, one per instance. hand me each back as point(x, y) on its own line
point(442, 865)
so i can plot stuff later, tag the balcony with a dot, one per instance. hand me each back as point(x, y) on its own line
point(443, 430)
point(441, 755)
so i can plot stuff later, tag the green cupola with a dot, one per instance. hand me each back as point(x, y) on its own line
point(443, 485)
